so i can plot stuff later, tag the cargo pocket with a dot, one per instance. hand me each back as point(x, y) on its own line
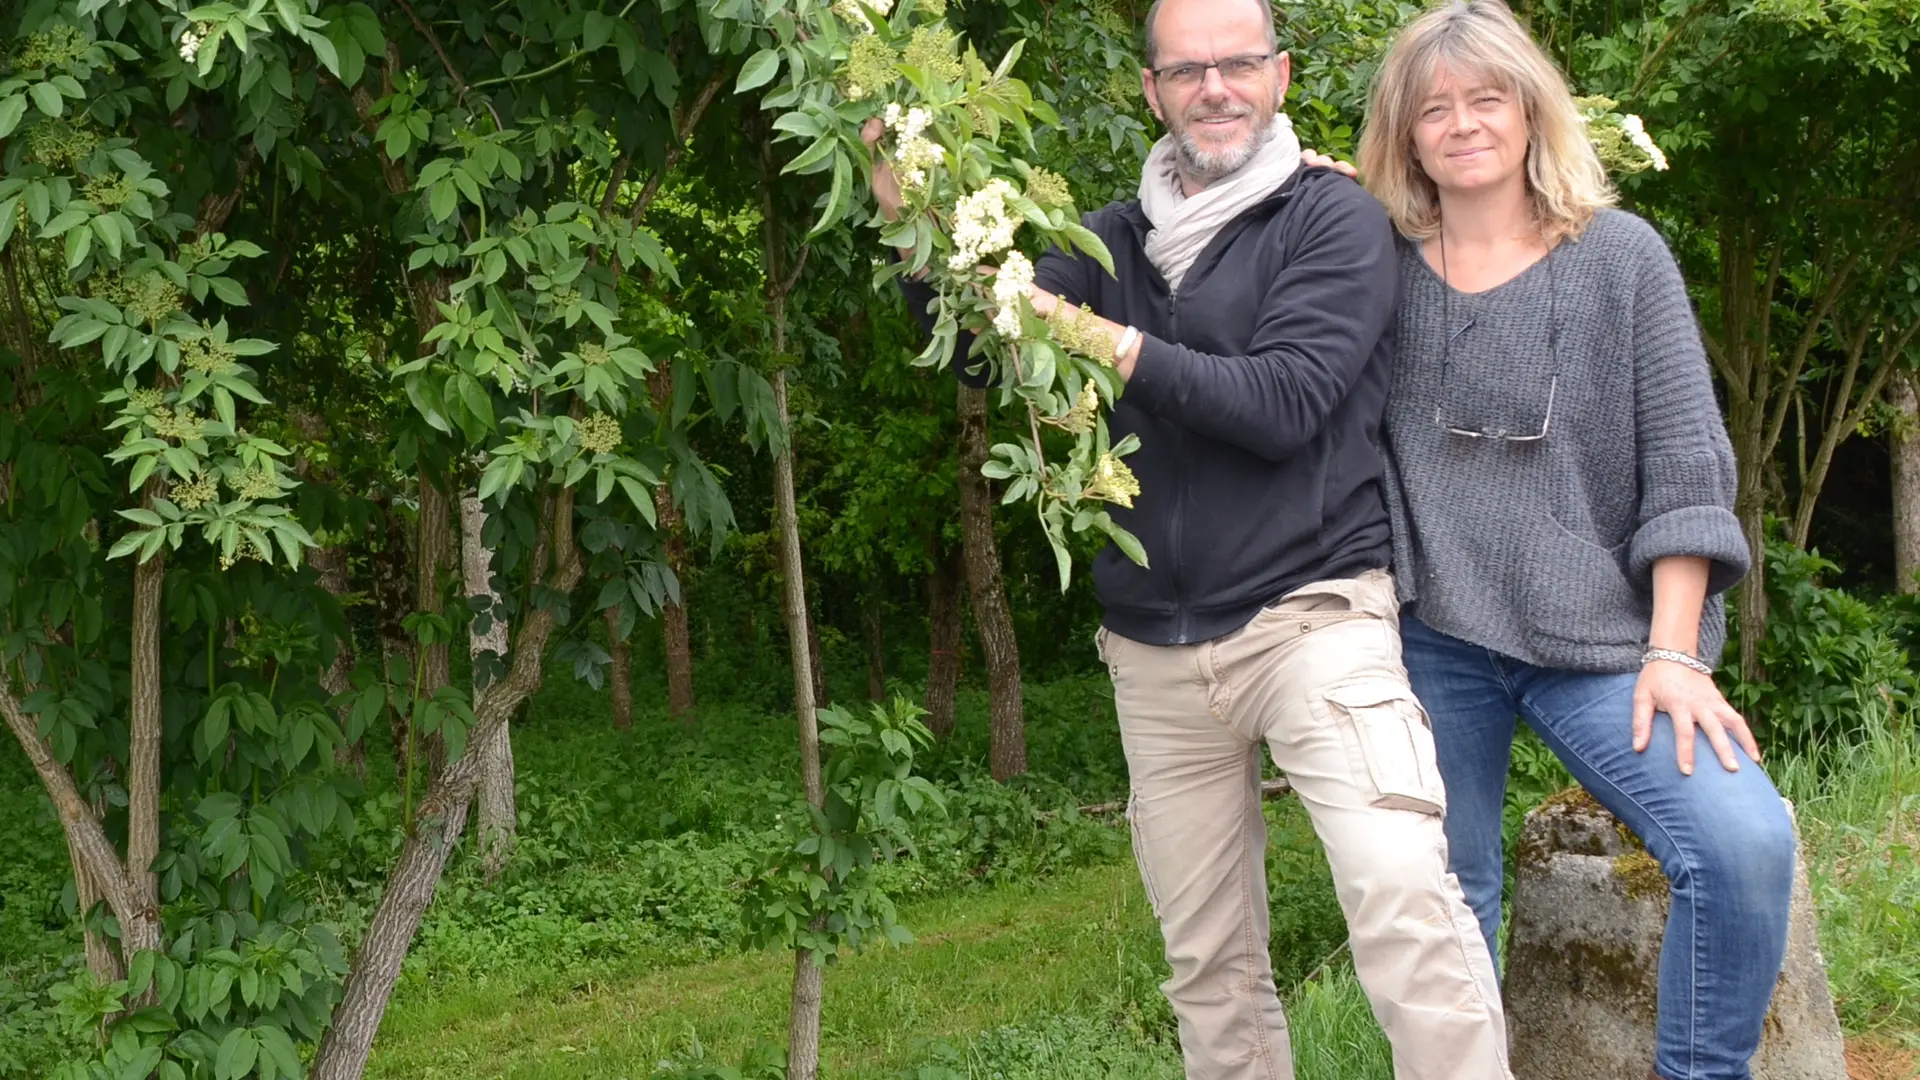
point(1390, 731)
point(1140, 853)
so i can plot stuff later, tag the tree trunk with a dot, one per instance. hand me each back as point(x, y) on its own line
point(1905, 440)
point(102, 960)
point(432, 556)
point(87, 841)
point(442, 817)
point(943, 632)
point(392, 602)
point(873, 620)
point(331, 564)
point(620, 675)
point(803, 1031)
point(1007, 756)
point(143, 741)
point(673, 614)
point(496, 802)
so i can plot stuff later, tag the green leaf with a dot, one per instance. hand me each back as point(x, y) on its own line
point(597, 31)
point(812, 155)
point(237, 1054)
point(837, 196)
point(324, 51)
point(11, 110)
point(46, 98)
point(758, 71)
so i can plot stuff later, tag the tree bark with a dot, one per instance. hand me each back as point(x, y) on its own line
point(1007, 754)
point(803, 1029)
point(943, 632)
point(393, 601)
point(497, 820)
point(102, 961)
point(87, 841)
point(432, 556)
point(145, 729)
point(441, 819)
point(620, 673)
point(1905, 440)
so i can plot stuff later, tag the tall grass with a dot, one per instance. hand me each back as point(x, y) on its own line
point(1858, 807)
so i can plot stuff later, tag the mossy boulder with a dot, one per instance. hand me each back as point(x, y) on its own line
point(1583, 955)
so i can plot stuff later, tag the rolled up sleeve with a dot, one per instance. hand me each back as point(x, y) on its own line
point(1687, 475)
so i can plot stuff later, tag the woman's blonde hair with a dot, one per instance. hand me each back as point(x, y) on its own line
point(1481, 38)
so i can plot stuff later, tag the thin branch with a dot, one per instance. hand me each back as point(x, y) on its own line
point(433, 39)
point(682, 132)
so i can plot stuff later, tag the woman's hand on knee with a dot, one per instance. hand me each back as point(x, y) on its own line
point(1691, 700)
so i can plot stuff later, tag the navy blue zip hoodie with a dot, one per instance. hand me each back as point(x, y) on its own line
point(1257, 397)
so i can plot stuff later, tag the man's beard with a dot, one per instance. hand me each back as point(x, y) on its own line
point(1208, 166)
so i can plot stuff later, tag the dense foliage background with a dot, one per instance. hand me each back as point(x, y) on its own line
point(398, 399)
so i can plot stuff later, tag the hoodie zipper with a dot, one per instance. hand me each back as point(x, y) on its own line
point(1181, 629)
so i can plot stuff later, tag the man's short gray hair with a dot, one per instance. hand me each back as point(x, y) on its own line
point(1153, 16)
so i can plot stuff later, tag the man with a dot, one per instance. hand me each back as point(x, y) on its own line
point(1250, 312)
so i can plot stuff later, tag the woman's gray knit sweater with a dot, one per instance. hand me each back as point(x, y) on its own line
point(1543, 550)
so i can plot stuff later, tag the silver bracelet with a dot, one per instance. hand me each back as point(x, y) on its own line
point(1127, 338)
point(1678, 657)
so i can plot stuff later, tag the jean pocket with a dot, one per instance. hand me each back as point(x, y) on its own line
point(1394, 739)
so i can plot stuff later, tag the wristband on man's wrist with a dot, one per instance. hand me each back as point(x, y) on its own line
point(1677, 657)
point(1127, 342)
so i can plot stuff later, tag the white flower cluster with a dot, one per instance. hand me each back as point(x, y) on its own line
point(190, 41)
point(1637, 135)
point(1010, 284)
point(913, 152)
point(850, 11)
point(981, 225)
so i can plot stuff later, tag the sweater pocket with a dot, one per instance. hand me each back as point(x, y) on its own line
point(1578, 591)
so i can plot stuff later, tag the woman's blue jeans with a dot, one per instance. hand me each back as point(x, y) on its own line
point(1723, 838)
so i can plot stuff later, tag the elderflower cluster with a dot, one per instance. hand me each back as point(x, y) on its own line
point(1010, 287)
point(1073, 329)
point(913, 152)
point(151, 298)
point(191, 40)
point(871, 65)
point(1637, 134)
point(593, 354)
point(932, 51)
point(1048, 190)
point(194, 494)
point(259, 484)
point(1113, 482)
point(599, 434)
point(182, 425)
point(850, 11)
point(206, 355)
point(1079, 419)
point(982, 225)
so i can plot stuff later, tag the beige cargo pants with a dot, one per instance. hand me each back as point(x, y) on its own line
point(1317, 677)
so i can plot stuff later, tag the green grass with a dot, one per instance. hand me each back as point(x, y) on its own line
point(1057, 979)
point(982, 961)
point(1859, 814)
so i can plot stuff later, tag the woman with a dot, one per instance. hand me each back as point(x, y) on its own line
point(1561, 486)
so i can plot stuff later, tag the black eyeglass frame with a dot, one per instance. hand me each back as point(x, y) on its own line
point(1258, 60)
point(1446, 353)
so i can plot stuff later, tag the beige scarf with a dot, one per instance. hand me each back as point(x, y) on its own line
point(1182, 226)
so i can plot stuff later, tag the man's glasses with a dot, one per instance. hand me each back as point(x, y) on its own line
point(1446, 362)
point(1238, 70)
